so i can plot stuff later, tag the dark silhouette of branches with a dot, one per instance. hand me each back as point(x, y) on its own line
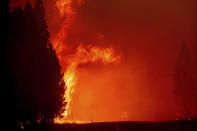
point(33, 65)
point(183, 77)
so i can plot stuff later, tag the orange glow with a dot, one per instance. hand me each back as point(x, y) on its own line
point(64, 7)
point(65, 10)
point(79, 2)
point(82, 55)
point(141, 86)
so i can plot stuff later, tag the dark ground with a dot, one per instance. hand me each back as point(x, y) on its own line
point(119, 126)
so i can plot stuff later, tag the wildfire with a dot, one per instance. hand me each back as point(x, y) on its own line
point(82, 55)
point(64, 10)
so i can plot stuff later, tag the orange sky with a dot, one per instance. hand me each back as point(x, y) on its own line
point(148, 34)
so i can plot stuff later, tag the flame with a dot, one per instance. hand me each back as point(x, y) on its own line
point(67, 15)
point(69, 63)
point(82, 55)
point(64, 7)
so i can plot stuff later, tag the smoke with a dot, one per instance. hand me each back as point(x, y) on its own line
point(148, 33)
point(19, 3)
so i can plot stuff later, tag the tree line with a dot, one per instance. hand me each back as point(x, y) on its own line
point(31, 73)
point(185, 82)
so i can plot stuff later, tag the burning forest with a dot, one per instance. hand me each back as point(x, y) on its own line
point(86, 61)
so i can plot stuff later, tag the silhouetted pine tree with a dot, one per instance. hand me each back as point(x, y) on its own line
point(194, 85)
point(7, 104)
point(52, 71)
point(40, 20)
point(4, 28)
point(33, 65)
point(183, 79)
